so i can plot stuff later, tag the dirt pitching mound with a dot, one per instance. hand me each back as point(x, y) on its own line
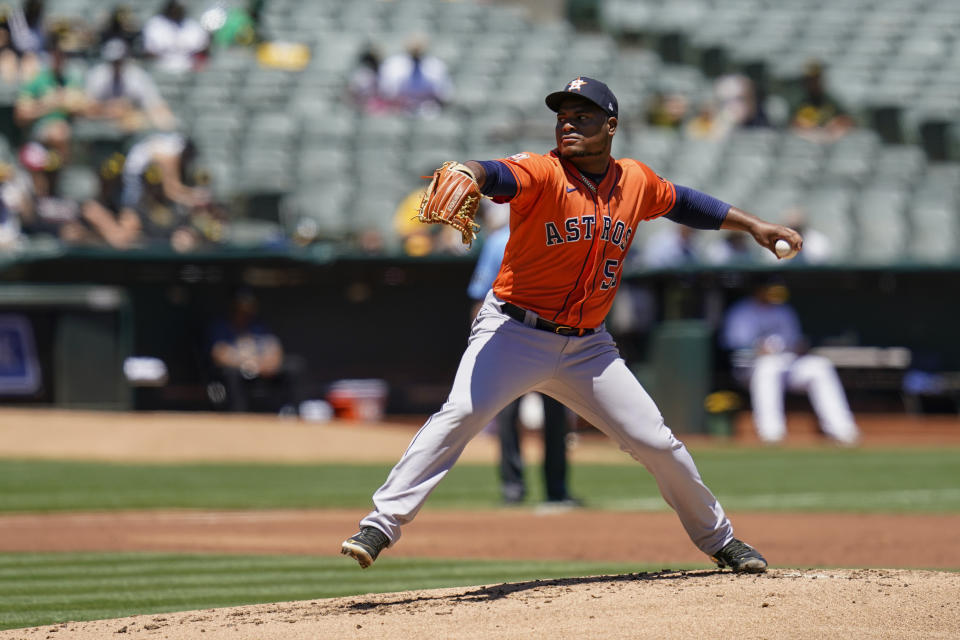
point(783, 603)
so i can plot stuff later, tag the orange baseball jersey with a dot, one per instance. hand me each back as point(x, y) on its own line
point(569, 236)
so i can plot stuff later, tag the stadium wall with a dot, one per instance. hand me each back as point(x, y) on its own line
point(403, 320)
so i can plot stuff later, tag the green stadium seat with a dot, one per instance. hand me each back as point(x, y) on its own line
point(78, 182)
point(209, 98)
point(900, 164)
point(266, 170)
point(253, 233)
point(319, 213)
point(423, 161)
point(881, 224)
point(322, 165)
point(444, 130)
point(230, 62)
point(936, 229)
point(223, 175)
point(654, 146)
point(267, 126)
point(382, 132)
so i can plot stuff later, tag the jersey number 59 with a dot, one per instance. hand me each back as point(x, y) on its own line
point(610, 274)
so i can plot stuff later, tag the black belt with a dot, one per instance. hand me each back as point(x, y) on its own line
point(517, 313)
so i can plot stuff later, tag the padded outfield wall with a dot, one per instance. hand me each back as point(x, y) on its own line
point(405, 320)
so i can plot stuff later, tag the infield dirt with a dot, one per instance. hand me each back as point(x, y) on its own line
point(794, 602)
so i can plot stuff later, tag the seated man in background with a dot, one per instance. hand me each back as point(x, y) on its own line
point(249, 361)
point(125, 94)
point(763, 333)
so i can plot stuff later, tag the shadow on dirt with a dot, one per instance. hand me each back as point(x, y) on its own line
point(497, 592)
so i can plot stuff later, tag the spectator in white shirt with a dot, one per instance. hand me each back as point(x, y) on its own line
point(175, 40)
point(121, 91)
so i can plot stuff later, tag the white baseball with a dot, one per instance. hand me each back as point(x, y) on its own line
point(783, 249)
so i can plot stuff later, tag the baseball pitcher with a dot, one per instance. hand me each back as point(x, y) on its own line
point(574, 213)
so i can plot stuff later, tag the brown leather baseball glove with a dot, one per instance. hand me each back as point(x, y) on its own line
point(452, 197)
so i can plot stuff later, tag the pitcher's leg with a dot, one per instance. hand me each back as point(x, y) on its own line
point(431, 454)
point(605, 392)
point(490, 376)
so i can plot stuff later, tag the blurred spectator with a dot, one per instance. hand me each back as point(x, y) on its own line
point(738, 103)
point(768, 354)
point(706, 124)
point(13, 201)
point(121, 92)
point(122, 25)
point(177, 42)
point(206, 225)
point(48, 102)
point(155, 189)
point(817, 114)
point(9, 58)
point(49, 214)
point(730, 248)
point(419, 239)
point(249, 362)
point(27, 34)
point(667, 110)
point(415, 81)
point(363, 85)
point(733, 105)
point(233, 26)
point(110, 223)
point(672, 246)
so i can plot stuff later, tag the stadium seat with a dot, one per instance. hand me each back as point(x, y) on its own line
point(444, 130)
point(334, 126)
point(271, 128)
point(255, 234)
point(323, 165)
point(78, 182)
point(318, 213)
point(936, 230)
point(382, 132)
point(881, 224)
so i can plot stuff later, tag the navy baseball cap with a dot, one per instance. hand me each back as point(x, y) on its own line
point(593, 90)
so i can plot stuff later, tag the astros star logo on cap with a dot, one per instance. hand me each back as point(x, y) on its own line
point(576, 84)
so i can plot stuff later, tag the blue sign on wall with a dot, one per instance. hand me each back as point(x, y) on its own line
point(19, 369)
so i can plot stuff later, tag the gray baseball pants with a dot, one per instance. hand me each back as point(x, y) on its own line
point(505, 359)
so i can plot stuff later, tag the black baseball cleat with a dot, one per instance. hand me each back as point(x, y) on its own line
point(740, 557)
point(365, 545)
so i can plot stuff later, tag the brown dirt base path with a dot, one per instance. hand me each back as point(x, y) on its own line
point(791, 601)
point(787, 540)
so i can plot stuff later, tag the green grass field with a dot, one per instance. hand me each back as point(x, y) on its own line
point(46, 588)
point(39, 589)
point(859, 480)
